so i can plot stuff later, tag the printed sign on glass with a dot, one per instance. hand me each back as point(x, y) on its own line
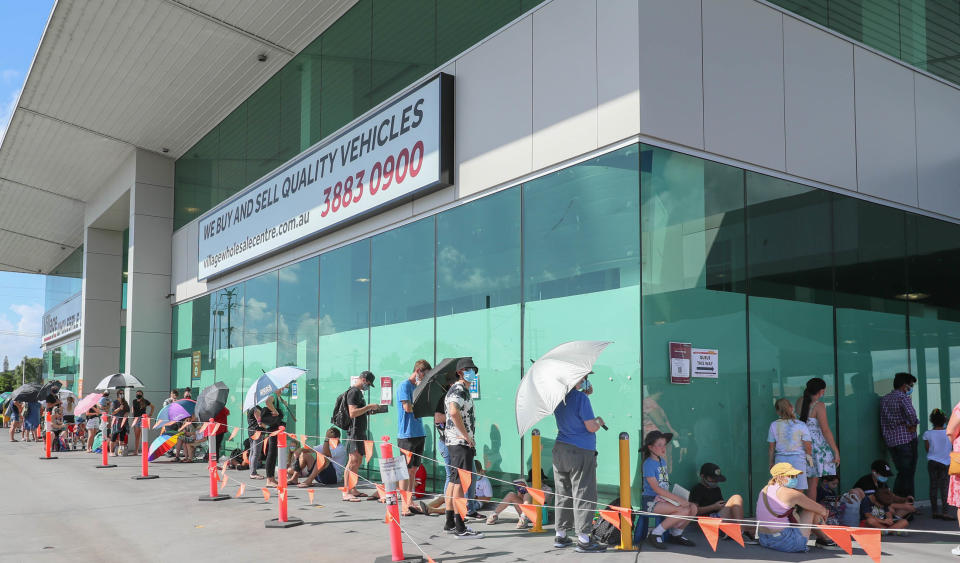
point(680, 353)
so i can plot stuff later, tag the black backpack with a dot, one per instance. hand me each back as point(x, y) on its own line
point(341, 412)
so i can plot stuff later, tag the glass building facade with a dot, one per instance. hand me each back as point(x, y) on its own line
point(641, 246)
point(63, 282)
point(923, 33)
point(376, 49)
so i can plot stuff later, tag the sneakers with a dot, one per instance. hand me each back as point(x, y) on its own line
point(679, 540)
point(750, 540)
point(492, 519)
point(467, 534)
point(956, 551)
point(523, 523)
point(827, 544)
point(562, 542)
point(592, 547)
point(449, 529)
point(656, 541)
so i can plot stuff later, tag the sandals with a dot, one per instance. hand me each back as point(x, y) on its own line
point(350, 499)
point(257, 476)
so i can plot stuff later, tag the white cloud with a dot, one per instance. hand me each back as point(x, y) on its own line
point(9, 75)
point(26, 319)
point(6, 111)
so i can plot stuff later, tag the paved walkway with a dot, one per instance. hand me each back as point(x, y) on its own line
point(67, 510)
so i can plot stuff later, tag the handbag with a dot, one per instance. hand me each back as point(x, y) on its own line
point(789, 514)
point(954, 463)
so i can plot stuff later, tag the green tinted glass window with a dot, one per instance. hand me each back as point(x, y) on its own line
point(297, 333)
point(401, 53)
point(346, 54)
point(402, 262)
point(461, 23)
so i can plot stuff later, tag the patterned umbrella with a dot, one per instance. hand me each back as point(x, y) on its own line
point(162, 445)
point(268, 383)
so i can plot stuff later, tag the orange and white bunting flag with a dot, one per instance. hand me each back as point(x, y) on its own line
point(407, 453)
point(310, 495)
point(711, 529)
point(382, 492)
point(460, 505)
point(240, 490)
point(203, 428)
point(465, 478)
point(537, 495)
point(256, 435)
point(214, 429)
point(275, 433)
point(841, 536)
point(334, 442)
point(733, 530)
point(611, 516)
point(134, 423)
point(233, 434)
point(349, 481)
point(266, 494)
point(123, 422)
point(368, 449)
point(530, 511)
point(869, 540)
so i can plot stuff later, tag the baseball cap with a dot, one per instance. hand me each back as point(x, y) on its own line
point(655, 435)
point(368, 375)
point(466, 363)
point(881, 468)
point(784, 468)
point(712, 470)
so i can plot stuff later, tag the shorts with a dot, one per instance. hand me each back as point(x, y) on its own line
point(92, 424)
point(353, 446)
point(328, 475)
point(414, 445)
point(461, 457)
point(788, 540)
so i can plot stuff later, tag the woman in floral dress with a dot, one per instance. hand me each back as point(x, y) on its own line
point(825, 457)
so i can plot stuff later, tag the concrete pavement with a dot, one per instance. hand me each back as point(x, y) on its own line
point(67, 510)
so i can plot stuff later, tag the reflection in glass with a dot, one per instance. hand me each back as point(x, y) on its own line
point(297, 332)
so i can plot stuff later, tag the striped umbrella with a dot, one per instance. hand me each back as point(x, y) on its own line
point(176, 411)
point(85, 403)
point(118, 381)
point(162, 445)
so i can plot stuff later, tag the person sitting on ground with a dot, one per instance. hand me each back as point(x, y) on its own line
point(484, 492)
point(777, 507)
point(710, 502)
point(657, 496)
point(876, 515)
point(57, 426)
point(875, 486)
point(187, 442)
point(304, 467)
point(519, 496)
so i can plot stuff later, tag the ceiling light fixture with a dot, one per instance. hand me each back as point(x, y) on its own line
point(915, 296)
point(262, 57)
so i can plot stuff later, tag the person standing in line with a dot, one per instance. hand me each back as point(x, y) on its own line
point(898, 424)
point(255, 426)
point(938, 463)
point(953, 492)
point(575, 470)
point(789, 441)
point(139, 409)
point(461, 446)
point(118, 431)
point(272, 418)
point(174, 396)
point(15, 419)
point(824, 454)
point(187, 393)
point(357, 433)
point(410, 434)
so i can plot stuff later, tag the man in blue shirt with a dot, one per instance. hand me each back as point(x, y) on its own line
point(575, 470)
point(410, 434)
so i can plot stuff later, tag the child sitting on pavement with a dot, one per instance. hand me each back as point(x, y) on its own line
point(710, 502)
point(520, 496)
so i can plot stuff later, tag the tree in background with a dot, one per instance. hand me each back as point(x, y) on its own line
point(6, 364)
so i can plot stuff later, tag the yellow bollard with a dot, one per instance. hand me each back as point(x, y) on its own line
point(626, 522)
point(537, 481)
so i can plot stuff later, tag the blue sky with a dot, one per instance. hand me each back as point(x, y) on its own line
point(21, 295)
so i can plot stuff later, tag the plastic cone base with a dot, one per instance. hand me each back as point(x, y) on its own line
point(51, 457)
point(406, 558)
point(218, 497)
point(106, 466)
point(142, 477)
point(276, 523)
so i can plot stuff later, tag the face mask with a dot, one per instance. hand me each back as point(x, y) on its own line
point(792, 483)
point(910, 391)
point(366, 386)
point(469, 373)
point(709, 484)
point(881, 479)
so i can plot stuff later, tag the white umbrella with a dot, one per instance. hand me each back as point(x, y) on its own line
point(269, 382)
point(64, 394)
point(551, 377)
point(118, 381)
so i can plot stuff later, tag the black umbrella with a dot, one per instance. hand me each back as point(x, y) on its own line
point(433, 387)
point(26, 393)
point(51, 387)
point(211, 401)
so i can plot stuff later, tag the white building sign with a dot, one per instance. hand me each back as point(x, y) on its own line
point(62, 320)
point(403, 150)
point(706, 363)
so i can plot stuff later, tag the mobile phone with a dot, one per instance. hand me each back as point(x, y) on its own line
point(383, 408)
